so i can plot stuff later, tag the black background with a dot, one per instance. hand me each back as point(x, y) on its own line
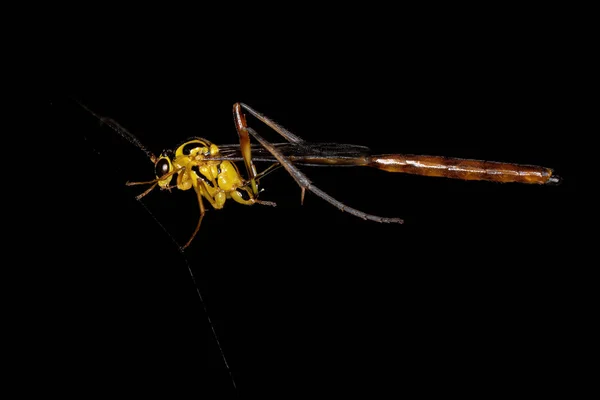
point(472, 288)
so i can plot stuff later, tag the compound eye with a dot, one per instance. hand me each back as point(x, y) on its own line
point(163, 167)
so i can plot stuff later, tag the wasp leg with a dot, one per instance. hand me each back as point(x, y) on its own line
point(152, 182)
point(216, 202)
point(289, 136)
point(267, 171)
point(305, 184)
point(202, 212)
point(242, 130)
point(155, 181)
point(238, 197)
point(139, 196)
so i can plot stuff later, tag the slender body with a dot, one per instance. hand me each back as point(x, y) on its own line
point(331, 154)
point(458, 168)
point(210, 171)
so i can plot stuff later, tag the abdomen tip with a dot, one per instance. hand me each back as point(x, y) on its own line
point(554, 180)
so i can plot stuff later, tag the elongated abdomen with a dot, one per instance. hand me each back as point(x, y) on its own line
point(459, 168)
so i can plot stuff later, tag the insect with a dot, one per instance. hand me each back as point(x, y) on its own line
point(211, 172)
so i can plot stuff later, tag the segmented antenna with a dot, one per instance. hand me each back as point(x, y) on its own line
point(135, 141)
point(121, 131)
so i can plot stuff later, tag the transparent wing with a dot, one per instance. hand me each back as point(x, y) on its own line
point(304, 153)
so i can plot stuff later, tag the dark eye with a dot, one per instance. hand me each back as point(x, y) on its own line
point(163, 167)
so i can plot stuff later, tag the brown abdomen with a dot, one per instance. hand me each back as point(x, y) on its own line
point(459, 168)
